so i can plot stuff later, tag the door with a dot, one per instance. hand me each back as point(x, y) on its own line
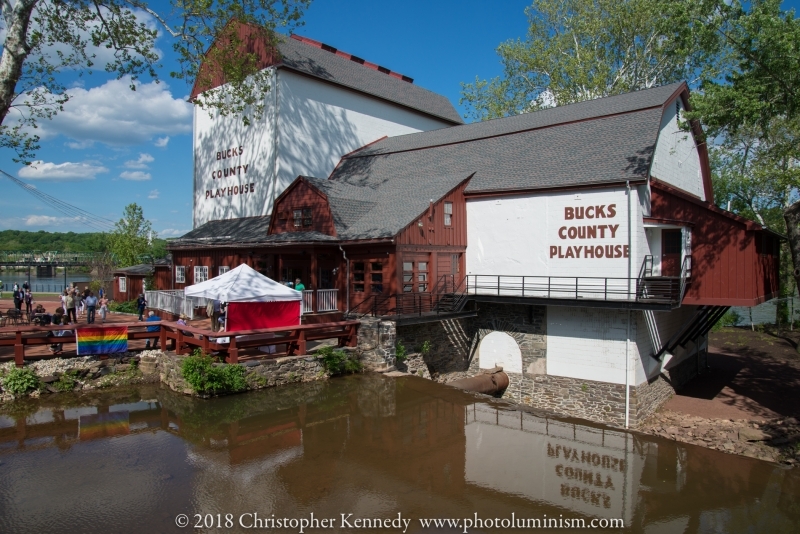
point(671, 247)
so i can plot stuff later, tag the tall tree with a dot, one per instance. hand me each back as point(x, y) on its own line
point(131, 240)
point(578, 50)
point(45, 38)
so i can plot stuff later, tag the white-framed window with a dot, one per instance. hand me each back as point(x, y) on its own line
point(224, 269)
point(448, 213)
point(180, 274)
point(123, 284)
point(200, 274)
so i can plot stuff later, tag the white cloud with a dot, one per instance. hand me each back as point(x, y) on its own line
point(135, 176)
point(115, 115)
point(140, 163)
point(161, 142)
point(67, 171)
point(171, 232)
point(46, 220)
point(153, 194)
point(79, 145)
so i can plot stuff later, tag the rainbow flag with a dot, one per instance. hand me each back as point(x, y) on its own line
point(103, 425)
point(102, 340)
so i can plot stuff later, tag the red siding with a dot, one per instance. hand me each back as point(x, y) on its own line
point(728, 268)
point(433, 230)
point(298, 196)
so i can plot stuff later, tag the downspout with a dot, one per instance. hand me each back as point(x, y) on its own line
point(347, 280)
point(628, 332)
point(275, 146)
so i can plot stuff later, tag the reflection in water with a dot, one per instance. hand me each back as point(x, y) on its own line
point(131, 460)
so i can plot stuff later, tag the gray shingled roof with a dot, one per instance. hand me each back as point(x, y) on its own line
point(332, 68)
point(608, 140)
point(219, 232)
point(370, 208)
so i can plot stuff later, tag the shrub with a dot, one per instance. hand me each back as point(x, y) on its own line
point(20, 381)
point(426, 347)
point(206, 378)
point(400, 352)
point(731, 318)
point(124, 307)
point(66, 382)
point(338, 361)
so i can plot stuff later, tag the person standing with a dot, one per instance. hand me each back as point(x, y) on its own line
point(101, 292)
point(141, 303)
point(71, 308)
point(215, 313)
point(152, 317)
point(28, 301)
point(91, 306)
point(18, 298)
point(103, 303)
point(298, 285)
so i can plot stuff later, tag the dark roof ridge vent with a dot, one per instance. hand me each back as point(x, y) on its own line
point(351, 57)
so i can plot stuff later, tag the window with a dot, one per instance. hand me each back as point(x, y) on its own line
point(180, 274)
point(283, 218)
point(123, 284)
point(448, 213)
point(415, 276)
point(302, 217)
point(408, 276)
point(358, 277)
point(200, 274)
point(376, 277)
point(224, 269)
point(307, 217)
point(297, 217)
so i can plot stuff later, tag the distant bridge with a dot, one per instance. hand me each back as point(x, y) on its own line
point(16, 258)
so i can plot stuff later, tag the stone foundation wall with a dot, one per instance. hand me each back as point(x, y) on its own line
point(450, 348)
point(596, 401)
point(260, 374)
point(376, 343)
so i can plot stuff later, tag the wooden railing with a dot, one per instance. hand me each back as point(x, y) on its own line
point(184, 339)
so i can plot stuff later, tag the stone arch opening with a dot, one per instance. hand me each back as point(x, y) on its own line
point(500, 349)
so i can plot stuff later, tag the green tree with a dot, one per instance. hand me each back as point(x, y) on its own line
point(131, 239)
point(578, 50)
point(44, 38)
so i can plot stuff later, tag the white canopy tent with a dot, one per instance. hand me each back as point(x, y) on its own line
point(254, 301)
point(243, 284)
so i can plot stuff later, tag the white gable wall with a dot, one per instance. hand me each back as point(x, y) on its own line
point(307, 126)
point(318, 123)
point(676, 160)
point(220, 193)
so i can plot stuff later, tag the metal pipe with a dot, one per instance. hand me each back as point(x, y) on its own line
point(347, 280)
point(627, 373)
point(490, 383)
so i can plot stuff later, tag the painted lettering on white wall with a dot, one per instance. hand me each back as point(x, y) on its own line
point(233, 170)
point(230, 191)
point(589, 231)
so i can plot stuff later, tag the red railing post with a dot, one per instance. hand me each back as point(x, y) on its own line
point(301, 343)
point(19, 350)
point(233, 352)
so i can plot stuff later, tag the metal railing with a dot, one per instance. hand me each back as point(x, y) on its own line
point(18, 257)
point(175, 302)
point(662, 290)
point(308, 302)
point(327, 300)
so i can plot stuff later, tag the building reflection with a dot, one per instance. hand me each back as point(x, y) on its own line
point(374, 445)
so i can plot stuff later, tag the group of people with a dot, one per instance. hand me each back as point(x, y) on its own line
point(77, 304)
point(22, 295)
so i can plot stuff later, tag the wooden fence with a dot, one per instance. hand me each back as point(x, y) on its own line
point(184, 339)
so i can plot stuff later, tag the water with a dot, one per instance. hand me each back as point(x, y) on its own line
point(765, 313)
point(42, 284)
point(132, 460)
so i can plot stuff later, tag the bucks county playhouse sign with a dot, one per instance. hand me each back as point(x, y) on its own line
point(580, 232)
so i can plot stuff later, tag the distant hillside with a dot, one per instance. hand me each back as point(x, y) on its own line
point(41, 240)
point(60, 241)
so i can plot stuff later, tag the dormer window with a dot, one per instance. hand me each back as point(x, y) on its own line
point(303, 217)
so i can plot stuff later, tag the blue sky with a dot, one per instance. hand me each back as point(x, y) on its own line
point(112, 146)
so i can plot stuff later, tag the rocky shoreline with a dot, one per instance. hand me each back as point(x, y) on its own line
point(82, 373)
point(775, 440)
